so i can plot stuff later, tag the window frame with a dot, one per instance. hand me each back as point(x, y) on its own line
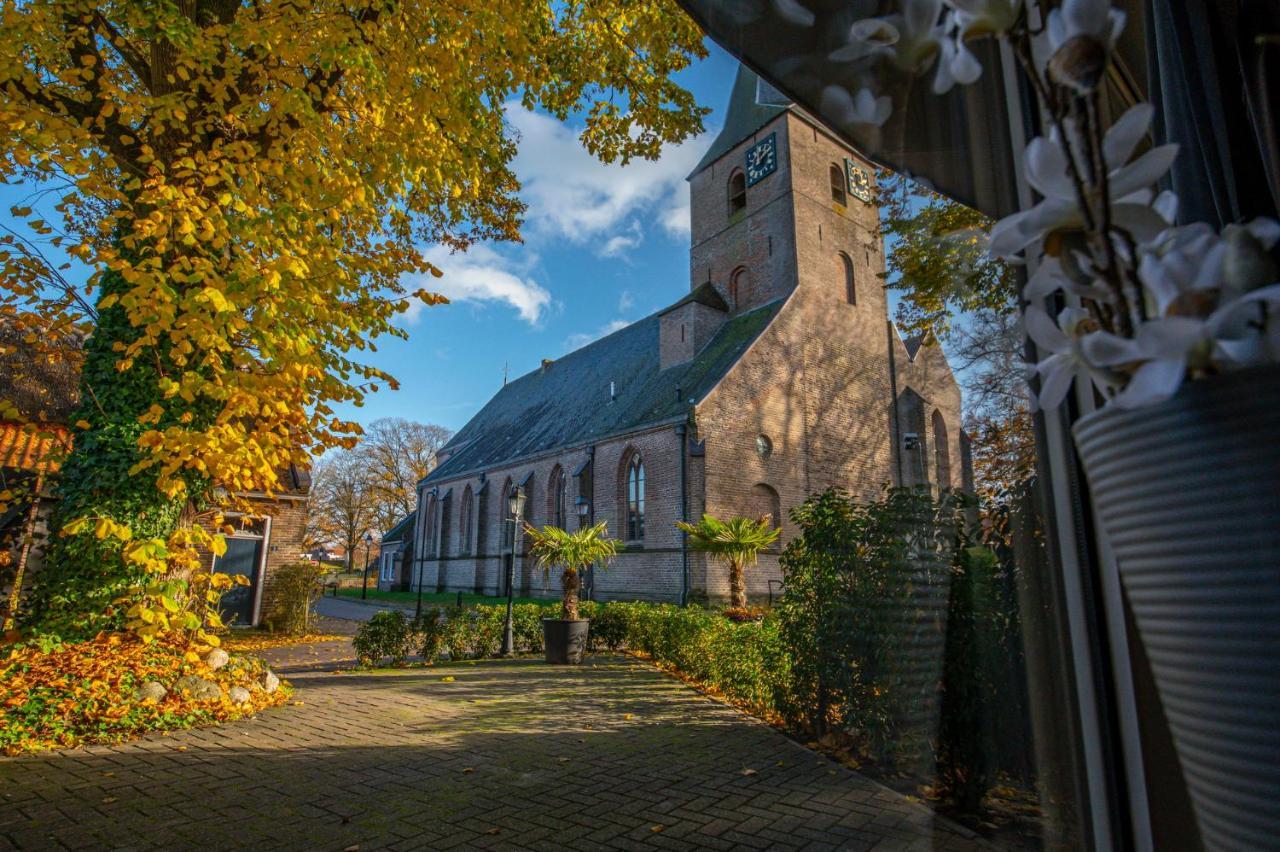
point(850, 280)
point(839, 191)
point(736, 192)
point(634, 498)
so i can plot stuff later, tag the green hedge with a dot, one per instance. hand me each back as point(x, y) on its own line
point(744, 661)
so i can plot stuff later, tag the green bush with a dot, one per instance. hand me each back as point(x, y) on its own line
point(429, 628)
point(386, 635)
point(743, 661)
point(526, 626)
point(295, 587)
point(610, 624)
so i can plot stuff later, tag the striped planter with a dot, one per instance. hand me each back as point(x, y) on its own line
point(1188, 494)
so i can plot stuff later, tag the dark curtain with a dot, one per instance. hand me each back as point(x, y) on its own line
point(1213, 69)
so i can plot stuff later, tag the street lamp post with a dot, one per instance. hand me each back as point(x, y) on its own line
point(584, 519)
point(515, 507)
point(368, 545)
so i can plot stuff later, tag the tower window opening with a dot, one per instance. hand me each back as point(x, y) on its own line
point(737, 192)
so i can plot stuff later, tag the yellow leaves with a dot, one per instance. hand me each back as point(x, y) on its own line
point(214, 297)
point(263, 255)
point(106, 528)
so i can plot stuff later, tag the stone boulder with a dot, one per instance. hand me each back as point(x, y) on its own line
point(270, 682)
point(152, 691)
point(217, 658)
point(239, 695)
point(198, 688)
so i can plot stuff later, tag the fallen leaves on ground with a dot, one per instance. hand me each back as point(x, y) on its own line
point(267, 641)
point(87, 692)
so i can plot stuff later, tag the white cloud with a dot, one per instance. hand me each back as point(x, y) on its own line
point(619, 244)
point(482, 275)
point(577, 341)
point(572, 195)
point(626, 301)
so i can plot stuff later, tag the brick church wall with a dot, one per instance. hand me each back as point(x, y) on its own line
point(757, 239)
point(645, 570)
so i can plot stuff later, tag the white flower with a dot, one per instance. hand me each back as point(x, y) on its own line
point(920, 34)
point(1050, 277)
point(1093, 18)
point(1059, 348)
point(864, 108)
point(1179, 261)
point(956, 64)
point(1166, 347)
point(1129, 183)
point(978, 18)
point(868, 37)
point(793, 13)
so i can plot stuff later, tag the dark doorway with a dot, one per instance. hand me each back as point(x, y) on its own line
point(243, 557)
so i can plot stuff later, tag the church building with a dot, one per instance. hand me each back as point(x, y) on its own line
point(779, 375)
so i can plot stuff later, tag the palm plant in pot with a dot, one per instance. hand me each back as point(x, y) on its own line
point(565, 638)
point(1176, 327)
point(737, 542)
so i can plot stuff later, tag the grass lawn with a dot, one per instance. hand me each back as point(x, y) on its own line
point(441, 598)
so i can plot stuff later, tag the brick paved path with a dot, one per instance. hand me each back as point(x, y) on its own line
point(508, 755)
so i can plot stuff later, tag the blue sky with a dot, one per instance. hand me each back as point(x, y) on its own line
point(604, 245)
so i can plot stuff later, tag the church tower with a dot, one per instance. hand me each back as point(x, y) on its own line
point(783, 210)
point(778, 202)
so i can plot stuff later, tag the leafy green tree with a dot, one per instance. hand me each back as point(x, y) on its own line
point(250, 185)
point(737, 542)
point(939, 259)
point(572, 552)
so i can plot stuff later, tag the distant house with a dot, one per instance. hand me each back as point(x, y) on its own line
point(395, 556)
point(28, 460)
point(45, 395)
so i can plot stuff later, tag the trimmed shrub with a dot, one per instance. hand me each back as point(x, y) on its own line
point(526, 626)
point(295, 587)
point(386, 635)
point(610, 624)
point(429, 628)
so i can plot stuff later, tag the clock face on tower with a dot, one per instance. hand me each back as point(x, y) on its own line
point(859, 181)
point(762, 159)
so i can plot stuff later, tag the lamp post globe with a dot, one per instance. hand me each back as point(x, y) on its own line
point(515, 508)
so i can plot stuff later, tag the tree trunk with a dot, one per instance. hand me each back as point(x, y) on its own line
point(737, 589)
point(569, 580)
point(73, 597)
point(28, 534)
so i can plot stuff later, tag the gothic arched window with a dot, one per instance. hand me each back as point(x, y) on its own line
point(765, 503)
point(508, 519)
point(466, 523)
point(429, 528)
point(739, 288)
point(557, 493)
point(846, 275)
point(941, 452)
point(635, 498)
point(737, 192)
point(837, 185)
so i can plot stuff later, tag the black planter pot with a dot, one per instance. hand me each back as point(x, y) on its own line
point(565, 641)
point(1188, 493)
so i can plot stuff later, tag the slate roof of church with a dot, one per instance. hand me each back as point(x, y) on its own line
point(567, 404)
point(744, 115)
point(397, 532)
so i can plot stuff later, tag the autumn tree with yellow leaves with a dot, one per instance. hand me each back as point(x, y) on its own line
point(249, 182)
